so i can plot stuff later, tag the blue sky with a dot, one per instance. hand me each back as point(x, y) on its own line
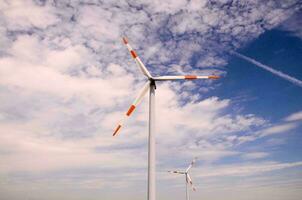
point(66, 79)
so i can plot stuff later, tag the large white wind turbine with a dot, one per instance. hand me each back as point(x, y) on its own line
point(150, 85)
point(188, 178)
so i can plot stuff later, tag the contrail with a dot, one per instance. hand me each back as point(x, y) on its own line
point(268, 68)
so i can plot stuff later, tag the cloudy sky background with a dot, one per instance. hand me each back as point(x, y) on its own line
point(66, 79)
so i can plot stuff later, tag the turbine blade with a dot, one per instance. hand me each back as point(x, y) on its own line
point(138, 61)
point(185, 77)
point(135, 103)
point(176, 172)
point(189, 180)
point(191, 164)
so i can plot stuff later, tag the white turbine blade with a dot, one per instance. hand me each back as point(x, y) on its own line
point(176, 172)
point(185, 77)
point(133, 106)
point(137, 59)
point(191, 164)
point(189, 180)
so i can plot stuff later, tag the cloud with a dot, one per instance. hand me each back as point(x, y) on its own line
point(196, 30)
point(246, 169)
point(41, 79)
point(266, 130)
point(282, 128)
point(270, 69)
point(66, 79)
point(293, 24)
point(21, 15)
point(271, 130)
point(294, 117)
point(28, 148)
point(255, 155)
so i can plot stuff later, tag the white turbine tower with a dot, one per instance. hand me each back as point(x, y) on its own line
point(150, 84)
point(188, 178)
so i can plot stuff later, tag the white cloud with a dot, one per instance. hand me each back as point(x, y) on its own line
point(293, 24)
point(22, 14)
point(246, 169)
point(268, 131)
point(270, 69)
point(99, 23)
point(69, 58)
point(29, 148)
point(255, 155)
point(66, 79)
point(169, 6)
point(297, 116)
point(42, 79)
point(282, 128)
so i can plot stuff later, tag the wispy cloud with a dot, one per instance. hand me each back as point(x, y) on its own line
point(270, 130)
point(254, 155)
point(294, 24)
point(246, 169)
point(294, 117)
point(280, 128)
point(270, 69)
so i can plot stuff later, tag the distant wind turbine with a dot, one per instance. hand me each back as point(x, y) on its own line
point(270, 69)
point(150, 85)
point(188, 178)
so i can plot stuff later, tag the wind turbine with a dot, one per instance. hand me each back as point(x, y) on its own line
point(150, 85)
point(188, 178)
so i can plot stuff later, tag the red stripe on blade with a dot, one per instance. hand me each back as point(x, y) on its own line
point(133, 54)
point(190, 77)
point(213, 77)
point(125, 40)
point(117, 129)
point(132, 107)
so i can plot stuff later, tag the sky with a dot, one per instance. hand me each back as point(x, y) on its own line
point(66, 79)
